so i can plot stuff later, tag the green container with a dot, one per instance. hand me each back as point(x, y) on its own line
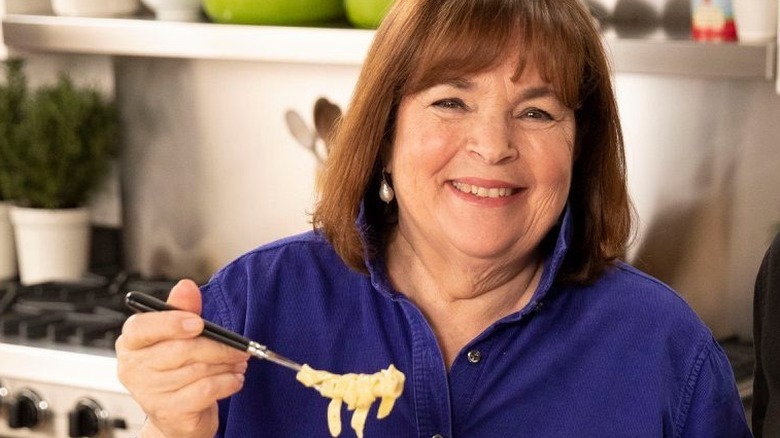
point(274, 12)
point(367, 14)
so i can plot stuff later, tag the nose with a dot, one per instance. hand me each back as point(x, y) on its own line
point(491, 140)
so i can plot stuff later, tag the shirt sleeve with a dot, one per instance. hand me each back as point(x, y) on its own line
point(711, 406)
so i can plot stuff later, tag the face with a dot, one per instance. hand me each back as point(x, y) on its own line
point(481, 166)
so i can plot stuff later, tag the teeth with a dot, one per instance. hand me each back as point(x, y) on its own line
point(483, 192)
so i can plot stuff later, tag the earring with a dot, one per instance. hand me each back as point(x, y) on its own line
point(386, 192)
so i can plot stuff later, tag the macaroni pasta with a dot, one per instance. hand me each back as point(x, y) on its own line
point(358, 391)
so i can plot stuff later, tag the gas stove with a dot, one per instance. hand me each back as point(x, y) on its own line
point(57, 359)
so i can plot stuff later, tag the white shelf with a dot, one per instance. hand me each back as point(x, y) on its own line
point(688, 57)
point(152, 38)
point(341, 46)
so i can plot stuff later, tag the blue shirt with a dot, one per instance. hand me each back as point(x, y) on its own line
point(624, 357)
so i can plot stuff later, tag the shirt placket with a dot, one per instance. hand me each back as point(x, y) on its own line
point(428, 379)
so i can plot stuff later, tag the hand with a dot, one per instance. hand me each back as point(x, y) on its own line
point(175, 375)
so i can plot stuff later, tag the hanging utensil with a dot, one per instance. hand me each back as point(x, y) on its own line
point(326, 116)
point(303, 133)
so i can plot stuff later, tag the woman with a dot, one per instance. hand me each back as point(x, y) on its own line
point(470, 220)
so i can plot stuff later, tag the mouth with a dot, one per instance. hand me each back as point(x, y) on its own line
point(484, 192)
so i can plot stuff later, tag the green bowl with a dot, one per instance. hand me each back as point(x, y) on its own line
point(274, 12)
point(366, 14)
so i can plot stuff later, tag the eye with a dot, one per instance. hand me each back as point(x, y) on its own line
point(536, 114)
point(450, 104)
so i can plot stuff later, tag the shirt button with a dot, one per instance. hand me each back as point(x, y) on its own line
point(474, 356)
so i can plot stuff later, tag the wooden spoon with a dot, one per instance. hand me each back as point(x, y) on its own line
point(326, 118)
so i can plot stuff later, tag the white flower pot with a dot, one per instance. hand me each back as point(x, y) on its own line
point(51, 245)
point(7, 247)
point(95, 8)
point(175, 10)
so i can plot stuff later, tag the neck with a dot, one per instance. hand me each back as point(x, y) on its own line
point(461, 297)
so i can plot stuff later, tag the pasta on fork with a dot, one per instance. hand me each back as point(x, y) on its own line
point(358, 391)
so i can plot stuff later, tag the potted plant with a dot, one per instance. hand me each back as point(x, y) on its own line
point(63, 150)
point(13, 93)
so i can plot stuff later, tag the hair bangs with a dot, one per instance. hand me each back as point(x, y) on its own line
point(558, 51)
point(475, 36)
point(465, 40)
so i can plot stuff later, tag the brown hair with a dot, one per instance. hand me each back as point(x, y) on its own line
point(426, 42)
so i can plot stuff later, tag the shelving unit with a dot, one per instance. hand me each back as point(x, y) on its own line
point(152, 38)
point(147, 37)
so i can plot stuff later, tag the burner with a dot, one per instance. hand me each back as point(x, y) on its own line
point(88, 313)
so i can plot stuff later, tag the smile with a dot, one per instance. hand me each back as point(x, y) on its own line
point(484, 192)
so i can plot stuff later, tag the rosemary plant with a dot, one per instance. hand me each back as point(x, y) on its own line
point(64, 143)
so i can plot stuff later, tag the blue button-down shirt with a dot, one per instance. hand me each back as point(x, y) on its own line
point(624, 357)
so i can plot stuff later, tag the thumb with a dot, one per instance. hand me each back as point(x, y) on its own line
point(185, 295)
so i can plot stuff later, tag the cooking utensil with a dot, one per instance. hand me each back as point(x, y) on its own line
point(326, 115)
point(141, 302)
point(303, 133)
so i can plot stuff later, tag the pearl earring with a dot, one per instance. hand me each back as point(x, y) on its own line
point(386, 192)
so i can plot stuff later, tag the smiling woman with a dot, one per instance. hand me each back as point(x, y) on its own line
point(471, 216)
point(412, 54)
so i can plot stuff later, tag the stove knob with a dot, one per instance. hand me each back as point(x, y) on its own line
point(26, 409)
point(87, 419)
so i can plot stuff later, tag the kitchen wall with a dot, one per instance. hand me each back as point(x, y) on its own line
point(703, 158)
point(210, 169)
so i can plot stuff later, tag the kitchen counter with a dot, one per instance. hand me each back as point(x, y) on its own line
point(146, 37)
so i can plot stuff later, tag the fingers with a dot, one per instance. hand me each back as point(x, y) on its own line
point(185, 295)
point(185, 390)
point(152, 384)
point(174, 374)
point(175, 353)
point(146, 329)
point(142, 330)
point(173, 380)
point(197, 396)
point(170, 339)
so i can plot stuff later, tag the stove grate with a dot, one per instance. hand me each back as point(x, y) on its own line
point(87, 313)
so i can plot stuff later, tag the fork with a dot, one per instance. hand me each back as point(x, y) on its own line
point(141, 302)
